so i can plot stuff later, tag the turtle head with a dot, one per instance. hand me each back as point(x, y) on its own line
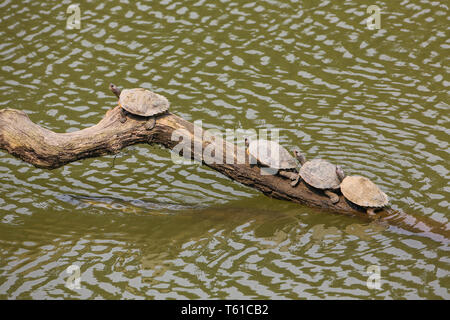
point(340, 173)
point(115, 90)
point(300, 157)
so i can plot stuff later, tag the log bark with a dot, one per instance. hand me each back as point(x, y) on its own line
point(46, 149)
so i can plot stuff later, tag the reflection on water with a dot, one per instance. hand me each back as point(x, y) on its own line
point(135, 206)
point(140, 226)
point(226, 252)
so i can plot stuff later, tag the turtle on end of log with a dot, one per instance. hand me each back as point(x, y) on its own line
point(362, 192)
point(140, 102)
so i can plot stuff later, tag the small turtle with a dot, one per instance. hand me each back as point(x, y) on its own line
point(140, 102)
point(271, 155)
point(319, 174)
point(362, 191)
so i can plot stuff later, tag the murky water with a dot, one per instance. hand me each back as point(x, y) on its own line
point(139, 226)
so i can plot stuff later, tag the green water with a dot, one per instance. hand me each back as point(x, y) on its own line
point(142, 227)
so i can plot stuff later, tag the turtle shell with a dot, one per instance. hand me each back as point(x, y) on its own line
point(271, 154)
point(320, 174)
point(363, 192)
point(143, 102)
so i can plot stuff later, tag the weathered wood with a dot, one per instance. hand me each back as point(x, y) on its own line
point(46, 149)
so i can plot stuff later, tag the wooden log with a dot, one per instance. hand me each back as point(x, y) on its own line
point(44, 148)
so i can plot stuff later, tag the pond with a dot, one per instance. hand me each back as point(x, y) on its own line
point(138, 226)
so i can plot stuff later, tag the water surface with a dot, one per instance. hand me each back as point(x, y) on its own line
point(141, 227)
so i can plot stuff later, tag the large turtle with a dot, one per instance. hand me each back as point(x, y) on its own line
point(274, 157)
point(140, 102)
point(362, 191)
point(319, 174)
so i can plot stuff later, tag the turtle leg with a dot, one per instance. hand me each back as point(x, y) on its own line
point(123, 115)
point(150, 124)
point(333, 196)
point(290, 175)
point(296, 180)
point(371, 212)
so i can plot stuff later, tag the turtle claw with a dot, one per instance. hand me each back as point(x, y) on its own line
point(150, 124)
point(334, 198)
point(295, 182)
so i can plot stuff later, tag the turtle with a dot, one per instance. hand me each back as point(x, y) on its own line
point(140, 102)
point(319, 174)
point(362, 192)
point(270, 154)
